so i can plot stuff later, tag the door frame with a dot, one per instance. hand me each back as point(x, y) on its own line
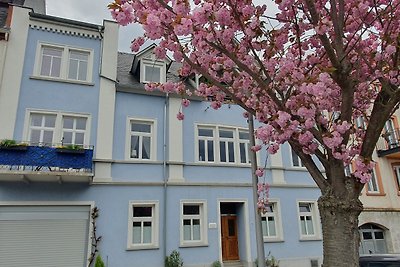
point(245, 227)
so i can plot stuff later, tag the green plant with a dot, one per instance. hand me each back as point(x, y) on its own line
point(99, 262)
point(73, 147)
point(216, 264)
point(174, 260)
point(270, 261)
point(8, 142)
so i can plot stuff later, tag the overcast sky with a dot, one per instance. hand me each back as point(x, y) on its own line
point(93, 11)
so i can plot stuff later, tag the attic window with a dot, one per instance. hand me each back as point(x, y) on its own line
point(152, 73)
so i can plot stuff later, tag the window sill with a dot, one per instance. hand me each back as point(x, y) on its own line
point(141, 161)
point(376, 194)
point(45, 78)
point(273, 240)
point(197, 244)
point(295, 168)
point(143, 247)
point(219, 164)
point(311, 238)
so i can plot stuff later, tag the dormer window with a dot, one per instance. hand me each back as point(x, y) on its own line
point(152, 70)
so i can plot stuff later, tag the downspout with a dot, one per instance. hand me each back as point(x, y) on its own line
point(165, 128)
point(257, 215)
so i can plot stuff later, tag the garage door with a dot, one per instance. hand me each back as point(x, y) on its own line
point(45, 236)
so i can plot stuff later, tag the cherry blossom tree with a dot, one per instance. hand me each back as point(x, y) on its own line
point(307, 74)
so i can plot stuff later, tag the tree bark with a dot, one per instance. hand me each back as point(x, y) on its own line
point(339, 217)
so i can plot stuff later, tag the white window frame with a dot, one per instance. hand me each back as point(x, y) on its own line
point(153, 138)
point(292, 154)
point(216, 144)
point(64, 63)
point(151, 61)
point(316, 221)
point(155, 219)
point(58, 129)
point(276, 214)
point(203, 223)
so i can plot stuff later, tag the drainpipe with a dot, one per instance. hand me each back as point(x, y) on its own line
point(257, 215)
point(165, 128)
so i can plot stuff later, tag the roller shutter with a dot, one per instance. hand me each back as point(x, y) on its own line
point(45, 236)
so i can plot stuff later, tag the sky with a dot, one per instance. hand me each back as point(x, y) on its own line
point(92, 11)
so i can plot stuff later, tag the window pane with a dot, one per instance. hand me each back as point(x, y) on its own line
point(48, 137)
point(242, 152)
point(134, 147)
point(367, 235)
point(35, 136)
point(231, 227)
point(147, 232)
point(146, 147)
point(310, 227)
point(206, 132)
point(186, 230)
point(82, 56)
point(196, 229)
point(271, 226)
point(231, 152)
point(141, 127)
point(378, 235)
point(202, 155)
point(303, 226)
point(50, 120)
point(152, 74)
point(46, 65)
point(226, 133)
point(264, 226)
point(73, 69)
point(222, 152)
point(36, 120)
point(67, 138)
point(304, 207)
point(81, 123)
point(79, 138)
point(210, 150)
point(56, 67)
point(269, 208)
point(136, 233)
point(244, 135)
point(52, 51)
point(68, 123)
point(295, 159)
point(142, 211)
point(82, 71)
point(191, 209)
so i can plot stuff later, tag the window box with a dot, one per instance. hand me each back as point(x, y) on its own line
point(70, 150)
point(9, 144)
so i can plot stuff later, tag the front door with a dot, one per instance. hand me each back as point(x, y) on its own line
point(230, 249)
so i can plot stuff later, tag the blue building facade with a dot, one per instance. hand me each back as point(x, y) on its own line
point(160, 184)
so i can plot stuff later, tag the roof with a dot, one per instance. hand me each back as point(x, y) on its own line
point(66, 21)
point(129, 82)
point(38, 6)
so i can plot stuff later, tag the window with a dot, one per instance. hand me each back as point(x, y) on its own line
point(152, 73)
point(143, 225)
point(390, 133)
point(270, 222)
point(78, 65)
point(222, 145)
point(152, 69)
point(65, 63)
point(372, 239)
point(309, 229)
point(193, 223)
point(55, 128)
point(372, 185)
point(296, 161)
point(141, 140)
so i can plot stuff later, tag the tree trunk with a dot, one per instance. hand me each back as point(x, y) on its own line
point(339, 217)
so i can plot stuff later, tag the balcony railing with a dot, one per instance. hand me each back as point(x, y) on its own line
point(45, 160)
point(389, 144)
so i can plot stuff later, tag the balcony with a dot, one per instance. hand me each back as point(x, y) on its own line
point(388, 145)
point(41, 163)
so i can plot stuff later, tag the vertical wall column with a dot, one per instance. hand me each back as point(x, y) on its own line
point(105, 124)
point(12, 72)
point(175, 142)
point(278, 176)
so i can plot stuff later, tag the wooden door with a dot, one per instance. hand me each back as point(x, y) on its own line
point(230, 249)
